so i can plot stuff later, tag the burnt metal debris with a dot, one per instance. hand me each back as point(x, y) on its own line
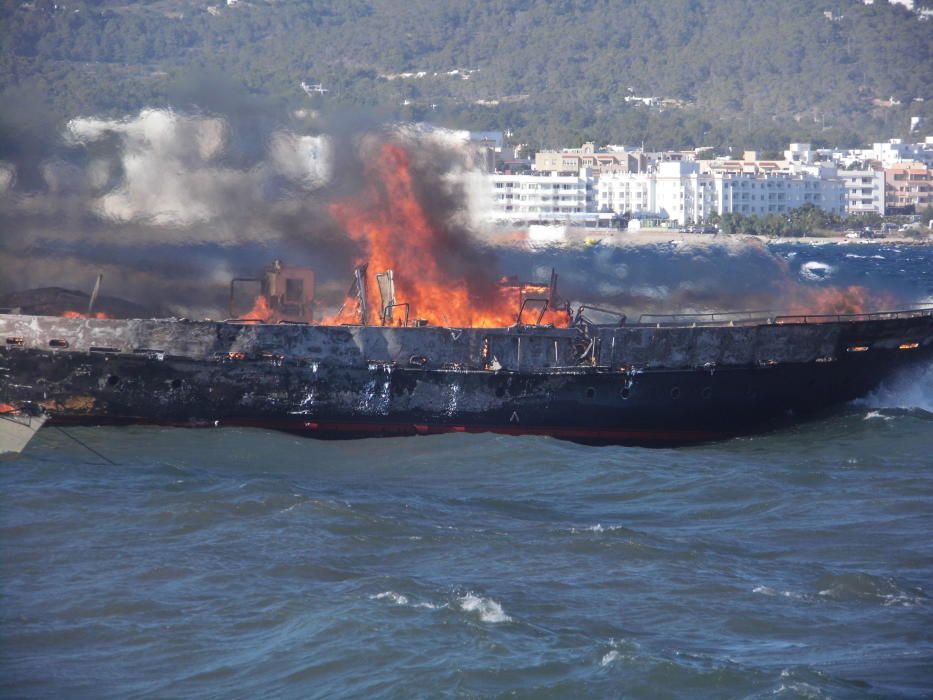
point(661, 380)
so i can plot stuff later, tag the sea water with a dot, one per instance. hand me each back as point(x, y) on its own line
point(242, 563)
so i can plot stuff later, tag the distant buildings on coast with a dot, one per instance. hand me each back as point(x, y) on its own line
point(590, 186)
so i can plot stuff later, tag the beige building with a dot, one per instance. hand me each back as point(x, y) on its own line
point(907, 187)
point(572, 160)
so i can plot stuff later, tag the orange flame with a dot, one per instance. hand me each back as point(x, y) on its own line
point(803, 299)
point(261, 311)
point(831, 300)
point(396, 233)
point(842, 301)
point(78, 314)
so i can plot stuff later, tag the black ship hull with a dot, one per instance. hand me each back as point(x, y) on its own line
point(644, 385)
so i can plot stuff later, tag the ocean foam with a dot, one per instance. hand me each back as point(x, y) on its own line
point(597, 528)
point(488, 609)
point(396, 598)
point(910, 390)
point(816, 271)
point(768, 591)
point(877, 414)
point(609, 657)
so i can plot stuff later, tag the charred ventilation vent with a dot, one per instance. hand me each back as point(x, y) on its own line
point(58, 343)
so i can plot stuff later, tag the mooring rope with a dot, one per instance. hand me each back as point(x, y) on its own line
point(84, 445)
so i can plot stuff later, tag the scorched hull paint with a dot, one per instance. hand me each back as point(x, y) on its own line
point(596, 384)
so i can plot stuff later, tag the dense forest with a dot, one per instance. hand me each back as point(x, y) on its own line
point(746, 73)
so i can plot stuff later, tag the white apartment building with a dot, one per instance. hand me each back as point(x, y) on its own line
point(864, 191)
point(545, 199)
point(680, 191)
point(674, 190)
point(625, 192)
point(894, 151)
point(799, 153)
point(777, 193)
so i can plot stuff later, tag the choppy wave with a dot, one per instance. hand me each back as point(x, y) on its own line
point(597, 528)
point(910, 390)
point(487, 608)
point(815, 271)
point(768, 591)
point(248, 563)
point(392, 596)
point(877, 414)
point(858, 586)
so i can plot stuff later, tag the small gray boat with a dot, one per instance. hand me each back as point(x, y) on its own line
point(18, 425)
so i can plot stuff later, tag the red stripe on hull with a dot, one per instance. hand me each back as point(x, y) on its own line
point(352, 429)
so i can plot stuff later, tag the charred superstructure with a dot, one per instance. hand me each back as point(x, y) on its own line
point(661, 380)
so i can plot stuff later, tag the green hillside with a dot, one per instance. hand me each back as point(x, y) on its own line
point(740, 72)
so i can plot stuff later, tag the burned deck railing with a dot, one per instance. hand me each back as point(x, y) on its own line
point(872, 316)
point(581, 315)
point(716, 318)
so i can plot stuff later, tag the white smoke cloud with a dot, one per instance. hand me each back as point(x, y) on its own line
point(461, 174)
point(172, 172)
point(305, 159)
point(118, 195)
point(7, 176)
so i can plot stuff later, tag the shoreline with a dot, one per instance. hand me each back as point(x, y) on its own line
point(586, 237)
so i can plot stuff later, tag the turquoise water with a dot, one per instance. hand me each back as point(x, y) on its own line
point(242, 563)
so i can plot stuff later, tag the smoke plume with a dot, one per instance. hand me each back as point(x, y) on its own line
point(171, 204)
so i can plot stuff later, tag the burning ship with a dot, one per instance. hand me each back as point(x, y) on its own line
point(448, 349)
point(591, 376)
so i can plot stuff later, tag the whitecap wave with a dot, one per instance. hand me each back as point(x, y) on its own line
point(816, 271)
point(768, 591)
point(402, 599)
point(877, 414)
point(909, 390)
point(597, 528)
point(858, 586)
point(487, 609)
point(609, 657)
point(394, 597)
point(621, 649)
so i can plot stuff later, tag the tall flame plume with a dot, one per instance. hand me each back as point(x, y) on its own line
point(433, 272)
